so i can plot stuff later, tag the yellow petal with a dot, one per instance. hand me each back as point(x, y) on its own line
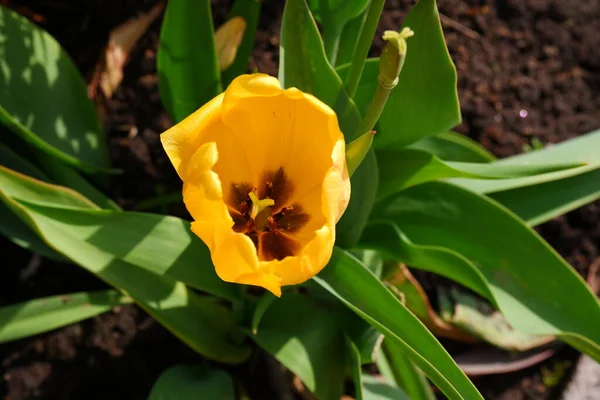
point(182, 140)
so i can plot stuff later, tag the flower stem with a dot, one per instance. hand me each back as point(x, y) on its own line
point(374, 110)
point(362, 48)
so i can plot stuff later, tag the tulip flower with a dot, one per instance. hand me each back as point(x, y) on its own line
point(265, 180)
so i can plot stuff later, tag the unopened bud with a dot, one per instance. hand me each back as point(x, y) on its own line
point(392, 57)
point(227, 41)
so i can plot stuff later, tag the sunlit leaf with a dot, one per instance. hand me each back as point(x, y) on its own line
point(41, 315)
point(43, 97)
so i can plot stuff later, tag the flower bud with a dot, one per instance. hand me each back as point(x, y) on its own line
point(392, 57)
point(227, 41)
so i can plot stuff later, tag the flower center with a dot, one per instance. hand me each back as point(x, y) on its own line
point(267, 215)
point(261, 210)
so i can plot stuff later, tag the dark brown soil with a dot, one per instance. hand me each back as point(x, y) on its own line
point(527, 69)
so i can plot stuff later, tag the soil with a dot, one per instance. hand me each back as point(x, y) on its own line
point(528, 69)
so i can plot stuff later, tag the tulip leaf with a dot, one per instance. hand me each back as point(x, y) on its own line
point(425, 102)
point(376, 388)
point(539, 203)
point(350, 281)
point(191, 382)
point(452, 146)
point(364, 185)
point(335, 14)
point(250, 12)
point(42, 315)
point(199, 321)
point(508, 256)
point(17, 231)
point(356, 368)
point(188, 71)
point(583, 149)
point(303, 64)
point(402, 168)
point(406, 374)
point(43, 97)
point(349, 39)
point(305, 337)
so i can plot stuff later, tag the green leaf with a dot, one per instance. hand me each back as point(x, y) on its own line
point(402, 168)
point(43, 98)
point(542, 197)
point(509, 256)
point(19, 233)
point(364, 184)
point(583, 149)
point(335, 14)
point(387, 238)
point(452, 146)
point(305, 338)
point(302, 64)
point(191, 382)
point(188, 71)
point(200, 322)
point(425, 102)
point(356, 368)
point(537, 204)
point(250, 11)
point(349, 38)
point(376, 388)
point(357, 287)
point(42, 315)
point(406, 374)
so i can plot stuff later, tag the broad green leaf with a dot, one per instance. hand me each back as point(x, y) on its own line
point(364, 184)
point(425, 102)
point(357, 287)
point(10, 159)
point(192, 382)
point(66, 176)
point(302, 64)
point(42, 315)
point(188, 72)
point(583, 149)
point(250, 11)
point(200, 322)
point(335, 14)
point(376, 388)
point(356, 368)
point(306, 338)
point(536, 204)
point(349, 38)
point(452, 146)
point(402, 168)
point(43, 98)
point(161, 244)
point(507, 253)
point(406, 374)
point(387, 238)
point(21, 234)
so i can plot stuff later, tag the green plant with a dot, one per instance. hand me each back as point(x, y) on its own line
point(421, 195)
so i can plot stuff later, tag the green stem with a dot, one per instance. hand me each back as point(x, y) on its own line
point(374, 110)
point(362, 48)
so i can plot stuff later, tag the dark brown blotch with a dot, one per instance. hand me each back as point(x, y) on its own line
point(275, 245)
point(238, 196)
point(291, 219)
point(276, 186)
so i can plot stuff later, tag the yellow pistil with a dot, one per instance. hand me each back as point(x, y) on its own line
point(261, 210)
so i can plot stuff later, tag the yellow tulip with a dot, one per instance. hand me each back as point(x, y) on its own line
point(265, 180)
